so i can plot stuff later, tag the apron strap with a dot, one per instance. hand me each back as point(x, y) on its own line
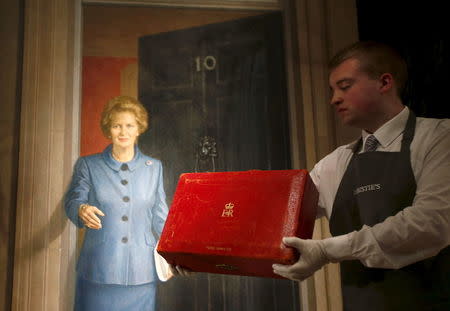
point(408, 134)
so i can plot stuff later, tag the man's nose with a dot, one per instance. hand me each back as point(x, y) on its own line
point(335, 99)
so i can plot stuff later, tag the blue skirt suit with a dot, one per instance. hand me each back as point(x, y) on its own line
point(115, 269)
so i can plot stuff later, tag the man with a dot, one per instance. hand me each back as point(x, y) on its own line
point(387, 195)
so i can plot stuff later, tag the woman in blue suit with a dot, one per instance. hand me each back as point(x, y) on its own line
point(118, 195)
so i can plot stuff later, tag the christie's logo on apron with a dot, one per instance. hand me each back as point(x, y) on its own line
point(372, 187)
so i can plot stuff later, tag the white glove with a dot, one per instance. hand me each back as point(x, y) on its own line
point(165, 270)
point(162, 267)
point(179, 270)
point(312, 258)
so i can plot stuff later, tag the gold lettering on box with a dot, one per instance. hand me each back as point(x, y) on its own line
point(218, 248)
point(226, 267)
point(228, 210)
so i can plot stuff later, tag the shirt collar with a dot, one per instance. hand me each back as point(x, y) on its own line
point(389, 131)
point(116, 165)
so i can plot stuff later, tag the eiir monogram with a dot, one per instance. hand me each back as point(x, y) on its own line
point(228, 210)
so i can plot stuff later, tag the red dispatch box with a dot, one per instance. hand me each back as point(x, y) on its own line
point(234, 222)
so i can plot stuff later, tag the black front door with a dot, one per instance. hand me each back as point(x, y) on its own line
point(217, 101)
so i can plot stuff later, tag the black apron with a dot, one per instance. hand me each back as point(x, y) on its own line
point(377, 185)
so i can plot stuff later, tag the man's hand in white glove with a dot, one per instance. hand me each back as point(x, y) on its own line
point(180, 271)
point(312, 258)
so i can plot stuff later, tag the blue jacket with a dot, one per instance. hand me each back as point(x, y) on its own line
point(132, 197)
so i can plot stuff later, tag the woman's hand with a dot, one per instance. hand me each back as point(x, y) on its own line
point(88, 215)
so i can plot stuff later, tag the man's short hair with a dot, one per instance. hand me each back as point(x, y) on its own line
point(376, 58)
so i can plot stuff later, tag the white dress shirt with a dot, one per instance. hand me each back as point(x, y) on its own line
point(418, 231)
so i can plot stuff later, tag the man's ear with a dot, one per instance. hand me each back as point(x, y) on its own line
point(386, 82)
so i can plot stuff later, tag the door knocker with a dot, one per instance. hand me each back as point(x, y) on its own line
point(205, 153)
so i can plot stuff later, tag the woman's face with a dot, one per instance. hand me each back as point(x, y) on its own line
point(124, 129)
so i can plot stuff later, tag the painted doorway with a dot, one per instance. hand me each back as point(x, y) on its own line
point(217, 98)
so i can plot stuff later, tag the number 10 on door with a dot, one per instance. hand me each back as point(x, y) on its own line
point(209, 63)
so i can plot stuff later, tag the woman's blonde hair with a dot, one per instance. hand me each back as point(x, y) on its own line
point(123, 104)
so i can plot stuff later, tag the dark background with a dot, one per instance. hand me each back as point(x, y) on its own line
point(420, 33)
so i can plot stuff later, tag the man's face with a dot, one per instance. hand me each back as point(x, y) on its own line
point(354, 94)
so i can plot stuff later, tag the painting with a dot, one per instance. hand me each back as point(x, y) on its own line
point(117, 58)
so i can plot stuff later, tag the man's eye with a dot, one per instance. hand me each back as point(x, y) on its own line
point(345, 87)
